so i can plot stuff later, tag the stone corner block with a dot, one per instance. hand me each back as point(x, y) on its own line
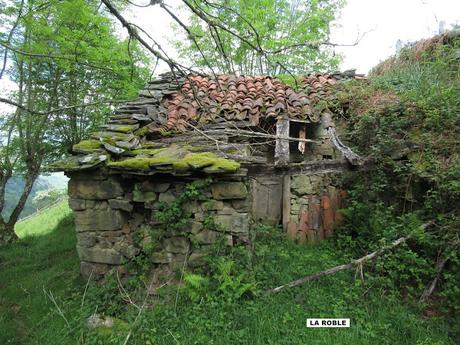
point(120, 204)
point(95, 190)
point(229, 190)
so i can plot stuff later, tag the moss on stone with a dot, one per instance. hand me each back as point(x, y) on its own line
point(208, 160)
point(150, 152)
point(141, 163)
point(165, 133)
point(87, 146)
point(142, 131)
point(67, 164)
point(106, 136)
point(153, 145)
point(123, 128)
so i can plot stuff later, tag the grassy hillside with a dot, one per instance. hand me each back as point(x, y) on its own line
point(45, 260)
point(407, 117)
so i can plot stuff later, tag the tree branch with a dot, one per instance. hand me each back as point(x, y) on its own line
point(430, 287)
point(133, 32)
point(50, 56)
point(10, 36)
point(57, 110)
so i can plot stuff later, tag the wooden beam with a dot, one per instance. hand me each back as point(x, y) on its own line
point(282, 143)
point(329, 127)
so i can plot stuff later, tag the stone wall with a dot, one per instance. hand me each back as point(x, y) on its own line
point(112, 212)
point(314, 204)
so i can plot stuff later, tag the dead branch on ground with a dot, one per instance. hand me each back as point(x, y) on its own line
point(333, 270)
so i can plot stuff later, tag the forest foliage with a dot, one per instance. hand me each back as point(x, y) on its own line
point(69, 68)
point(269, 37)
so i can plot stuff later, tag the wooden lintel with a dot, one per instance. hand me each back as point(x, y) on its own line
point(300, 121)
point(308, 168)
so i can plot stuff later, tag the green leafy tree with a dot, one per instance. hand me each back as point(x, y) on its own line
point(69, 69)
point(260, 36)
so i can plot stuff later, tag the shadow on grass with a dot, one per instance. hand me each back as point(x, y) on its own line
point(46, 261)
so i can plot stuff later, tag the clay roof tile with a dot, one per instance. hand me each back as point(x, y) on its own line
point(243, 97)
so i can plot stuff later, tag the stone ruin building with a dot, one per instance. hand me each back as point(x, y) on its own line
point(273, 154)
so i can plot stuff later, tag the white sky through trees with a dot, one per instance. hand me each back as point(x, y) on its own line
point(384, 22)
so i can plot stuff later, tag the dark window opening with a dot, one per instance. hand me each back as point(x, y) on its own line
point(302, 151)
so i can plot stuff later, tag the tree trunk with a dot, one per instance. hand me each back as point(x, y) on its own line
point(7, 234)
point(30, 179)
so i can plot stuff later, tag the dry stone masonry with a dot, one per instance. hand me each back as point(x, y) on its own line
point(110, 209)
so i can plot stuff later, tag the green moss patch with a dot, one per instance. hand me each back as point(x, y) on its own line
point(87, 146)
point(142, 131)
point(191, 161)
point(153, 145)
point(142, 163)
point(110, 136)
point(124, 128)
point(150, 152)
point(209, 159)
point(67, 164)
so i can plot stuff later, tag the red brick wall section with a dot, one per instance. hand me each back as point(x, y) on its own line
point(318, 221)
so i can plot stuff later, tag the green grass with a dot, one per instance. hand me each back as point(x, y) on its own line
point(45, 258)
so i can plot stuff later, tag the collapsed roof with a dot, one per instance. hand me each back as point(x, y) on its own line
point(175, 124)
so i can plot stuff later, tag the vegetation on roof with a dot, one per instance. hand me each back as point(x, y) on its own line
point(87, 146)
point(191, 161)
point(150, 152)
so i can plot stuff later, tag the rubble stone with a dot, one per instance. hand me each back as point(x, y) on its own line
point(120, 204)
point(100, 255)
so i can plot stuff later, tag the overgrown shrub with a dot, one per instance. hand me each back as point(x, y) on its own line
point(406, 116)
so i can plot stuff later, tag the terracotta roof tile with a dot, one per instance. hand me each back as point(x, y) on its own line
point(204, 99)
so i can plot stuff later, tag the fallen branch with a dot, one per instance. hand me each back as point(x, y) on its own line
point(336, 269)
point(347, 152)
point(430, 288)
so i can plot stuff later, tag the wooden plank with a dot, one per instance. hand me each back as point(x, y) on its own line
point(267, 199)
point(282, 143)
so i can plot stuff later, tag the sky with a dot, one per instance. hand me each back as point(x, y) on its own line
point(385, 22)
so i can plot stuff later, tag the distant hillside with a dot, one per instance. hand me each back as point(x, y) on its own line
point(45, 191)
